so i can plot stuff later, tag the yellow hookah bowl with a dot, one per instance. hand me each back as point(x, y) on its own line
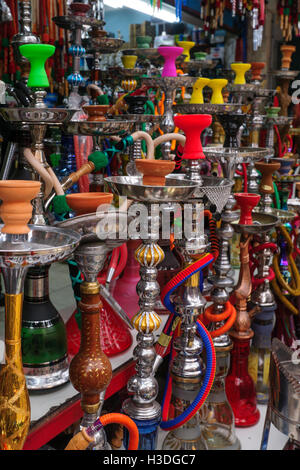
point(187, 46)
point(240, 70)
point(129, 61)
point(197, 95)
point(217, 85)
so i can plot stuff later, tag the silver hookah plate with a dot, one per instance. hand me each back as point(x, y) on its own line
point(151, 118)
point(206, 108)
point(100, 128)
point(284, 216)
point(200, 64)
point(146, 53)
point(265, 93)
point(279, 120)
point(217, 190)
point(42, 245)
point(262, 223)
point(131, 73)
point(244, 88)
point(91, 227)
point(169, 83)
point(105, 45)
point(75, 22)
point(57, 116)
point(175, 190)
point(293, 205)
point(239, 154)
point(289, 74)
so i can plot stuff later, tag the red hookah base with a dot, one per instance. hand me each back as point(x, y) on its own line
point(115, 336)
point(240, 388)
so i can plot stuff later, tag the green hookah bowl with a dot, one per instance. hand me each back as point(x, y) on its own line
point(37, 54)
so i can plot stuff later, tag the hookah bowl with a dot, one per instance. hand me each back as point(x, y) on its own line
point(187, 46)
point(169, 54)
point(197, 95)
point(18, 251)
point(217, 84)
point(90, 368)
point(283, 406)
point(96, 113)
point(240, 388)
point(286, 59)
point(256, 69)
point(240, 71)
point(37, 54)
point(168, 86)
point(142, 406)
point(129, 61)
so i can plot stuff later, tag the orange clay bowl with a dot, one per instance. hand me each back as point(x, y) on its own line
point(87, 203)
point(154, 171)
point(96, 112)
point(16, 207)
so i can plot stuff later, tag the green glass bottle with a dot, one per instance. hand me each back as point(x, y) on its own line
point(44, 338)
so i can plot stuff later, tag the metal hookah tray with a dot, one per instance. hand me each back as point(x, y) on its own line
point(57, 116)
point(175, 190)
point(87, 226)
point(262, 223)
point(170, 83)
point(100, 128)
point(206, 108)
point(42, 245)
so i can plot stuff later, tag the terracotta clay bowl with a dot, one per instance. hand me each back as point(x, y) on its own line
point(154, 171)
point(96, 112)
point(16, 208)
point(87, 203)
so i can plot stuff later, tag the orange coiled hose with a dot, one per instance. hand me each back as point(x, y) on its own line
point(82, 439)
point(229, 314)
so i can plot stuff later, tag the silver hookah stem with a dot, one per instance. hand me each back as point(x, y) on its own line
point(143, 385)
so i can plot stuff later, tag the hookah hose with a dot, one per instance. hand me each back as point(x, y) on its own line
point(295, 291)
point(213, 239)
point(296, 223)
point(192, 409)
point(84, 438)
point(245, 176)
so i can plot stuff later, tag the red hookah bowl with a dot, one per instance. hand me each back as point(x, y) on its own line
point(246, 202)
point(192, 126)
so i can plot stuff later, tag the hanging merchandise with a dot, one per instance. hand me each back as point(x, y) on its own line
point(288, 12)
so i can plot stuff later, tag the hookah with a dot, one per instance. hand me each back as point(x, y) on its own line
point(283, 406)
point(151, 189)
point(261, 254)
point(90, 369)
point(21, 247)
point(240, 388)
point(285, 76)
point(21, 93)
point(47, 366)
point(182, 393)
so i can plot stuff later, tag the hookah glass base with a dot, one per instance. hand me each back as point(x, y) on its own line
point(44, 337)
point(240, 388)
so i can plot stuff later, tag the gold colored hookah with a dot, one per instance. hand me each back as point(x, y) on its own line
point(21, 246)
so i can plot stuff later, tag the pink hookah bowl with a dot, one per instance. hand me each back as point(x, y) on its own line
point(170, 55)
point(192, 126)
point(246, 202)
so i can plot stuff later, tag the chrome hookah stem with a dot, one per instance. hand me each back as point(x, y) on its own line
point(167, 122)
point(143, 385)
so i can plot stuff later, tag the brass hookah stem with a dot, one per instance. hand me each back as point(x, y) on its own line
point(242, 326)
point(90, 369)
point(14, 398)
